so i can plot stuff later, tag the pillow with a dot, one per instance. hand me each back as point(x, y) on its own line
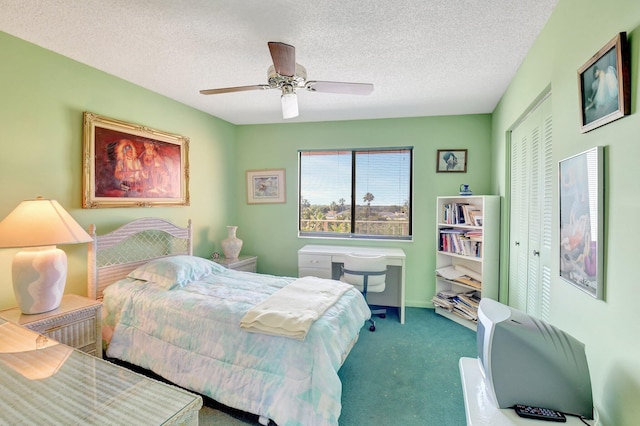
point(169, 272)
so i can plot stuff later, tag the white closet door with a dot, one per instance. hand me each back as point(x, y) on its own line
point(519, 218)
point(530, 212)
point(549, 184)
point(533, 257)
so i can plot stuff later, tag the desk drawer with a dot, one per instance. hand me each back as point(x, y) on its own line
point(314, 272)
point(314, 261)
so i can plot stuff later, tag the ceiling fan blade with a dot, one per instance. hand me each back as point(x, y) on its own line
point(339, 87)
point(284, 58)
point(235, 89)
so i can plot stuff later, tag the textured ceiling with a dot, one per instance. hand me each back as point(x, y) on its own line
point(424, 57)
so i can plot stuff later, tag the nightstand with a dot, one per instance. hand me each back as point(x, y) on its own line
point(77, 322)
point(242, 263)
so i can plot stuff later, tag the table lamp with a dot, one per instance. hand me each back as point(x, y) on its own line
point(40, 270)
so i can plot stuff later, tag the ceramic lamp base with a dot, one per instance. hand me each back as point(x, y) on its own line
point(39, 278)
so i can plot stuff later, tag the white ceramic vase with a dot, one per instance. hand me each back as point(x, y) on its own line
point(231, 245)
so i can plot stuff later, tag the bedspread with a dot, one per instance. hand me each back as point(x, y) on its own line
point(191, 336)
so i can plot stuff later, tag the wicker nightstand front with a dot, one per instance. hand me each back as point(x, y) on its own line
point(242, 263)
point(76, 323)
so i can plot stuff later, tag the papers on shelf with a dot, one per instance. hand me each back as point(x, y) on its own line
point(469, 281)
point(462, 275)
point(466, 271)
point(449, 272)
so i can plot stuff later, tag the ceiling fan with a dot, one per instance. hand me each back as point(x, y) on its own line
point(286, 75)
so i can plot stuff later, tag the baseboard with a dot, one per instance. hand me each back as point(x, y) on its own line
point(418, 304)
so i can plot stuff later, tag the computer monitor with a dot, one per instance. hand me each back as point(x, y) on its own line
point(525, 360)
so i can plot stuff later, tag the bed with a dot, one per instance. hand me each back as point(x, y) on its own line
point(180, 316)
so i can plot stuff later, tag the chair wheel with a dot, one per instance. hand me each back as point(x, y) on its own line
point(382, 315)
point(372, 328)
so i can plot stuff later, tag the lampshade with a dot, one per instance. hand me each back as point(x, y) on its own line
point(40, 271)
point(40, 222)
point(289, 102)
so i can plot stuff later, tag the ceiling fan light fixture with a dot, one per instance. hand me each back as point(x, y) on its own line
point(289, 102)
point(287, 75)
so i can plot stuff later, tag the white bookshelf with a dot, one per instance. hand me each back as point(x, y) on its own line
point(469, 246)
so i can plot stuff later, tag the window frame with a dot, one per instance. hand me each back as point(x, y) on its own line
point(351, 235)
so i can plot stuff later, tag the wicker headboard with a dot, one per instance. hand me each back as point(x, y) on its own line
point(112, 256)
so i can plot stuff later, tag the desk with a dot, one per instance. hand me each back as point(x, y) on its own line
point(46, 382)
point(325, 262)
point(480, 408)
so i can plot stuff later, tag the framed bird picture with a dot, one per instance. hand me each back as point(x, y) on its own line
point(451, 160)
point(604, 85)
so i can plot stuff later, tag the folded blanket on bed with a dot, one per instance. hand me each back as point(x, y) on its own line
point(292, 310)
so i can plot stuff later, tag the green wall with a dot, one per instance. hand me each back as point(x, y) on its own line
point(42, 98)
point(43, 95)
point(270, 230)
point(609, 328)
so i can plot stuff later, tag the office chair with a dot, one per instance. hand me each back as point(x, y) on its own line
point(367, 274)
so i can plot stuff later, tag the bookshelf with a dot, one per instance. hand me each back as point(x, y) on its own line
point(467, 255)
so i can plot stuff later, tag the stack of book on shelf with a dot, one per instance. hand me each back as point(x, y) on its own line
point(463, 299)
point(461, 241)
point(461, 214)
point(474, 218)
point(444, 299)
point(467, 305)
point(464, 304)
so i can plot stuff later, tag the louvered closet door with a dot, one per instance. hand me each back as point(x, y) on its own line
point(519, 217)
point(530, 212)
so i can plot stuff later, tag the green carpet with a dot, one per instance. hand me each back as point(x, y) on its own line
point(399, 374)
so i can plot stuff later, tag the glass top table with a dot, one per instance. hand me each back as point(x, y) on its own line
point(46, 382)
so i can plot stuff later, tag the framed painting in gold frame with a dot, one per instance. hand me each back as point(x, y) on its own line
point(130, 165)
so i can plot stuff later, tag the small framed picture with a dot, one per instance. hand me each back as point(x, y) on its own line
point(451, 160)
point(604, 85)
point(266, 186)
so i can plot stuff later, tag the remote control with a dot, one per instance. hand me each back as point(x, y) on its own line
point(539, 413)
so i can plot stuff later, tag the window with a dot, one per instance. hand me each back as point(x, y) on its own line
point(373, 183)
